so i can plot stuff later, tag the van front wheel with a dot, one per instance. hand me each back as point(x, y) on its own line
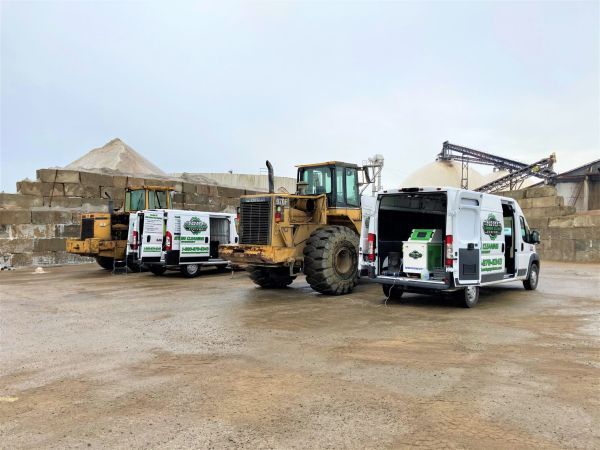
point(532, 280)
point(470, 296)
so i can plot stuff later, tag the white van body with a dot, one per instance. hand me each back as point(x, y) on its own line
point(485, 241)
point(164, 239)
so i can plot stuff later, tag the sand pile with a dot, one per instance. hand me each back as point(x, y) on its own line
point(442, 173)
point(116, 157)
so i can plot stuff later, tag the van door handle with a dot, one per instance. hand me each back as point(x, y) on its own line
point(522, 246)
point(503, 247)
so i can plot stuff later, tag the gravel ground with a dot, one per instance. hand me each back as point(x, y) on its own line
point(94, 359)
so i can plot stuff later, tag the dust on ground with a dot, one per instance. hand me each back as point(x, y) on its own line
point(94, 359)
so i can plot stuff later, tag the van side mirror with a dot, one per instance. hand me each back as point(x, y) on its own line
point(535, 237)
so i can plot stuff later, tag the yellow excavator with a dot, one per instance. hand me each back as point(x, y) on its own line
point(316, 230)
point(104, 235)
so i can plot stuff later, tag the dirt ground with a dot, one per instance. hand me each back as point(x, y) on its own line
point(94, 359)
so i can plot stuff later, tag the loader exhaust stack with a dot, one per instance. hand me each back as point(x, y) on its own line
point(271, 178)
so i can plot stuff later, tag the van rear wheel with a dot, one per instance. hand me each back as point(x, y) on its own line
point(157, 270)
point(392, 291)
point(469, 296)
point(190, 270)
point(270, 277)
point(331, 260)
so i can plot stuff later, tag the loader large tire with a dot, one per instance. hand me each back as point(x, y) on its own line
point(331, 260)
point(270, 277)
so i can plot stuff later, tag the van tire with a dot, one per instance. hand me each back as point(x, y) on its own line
point(531, 282)
point(331, 260)
point(157, 270)
point(391, 291)
point(469, 296)
point(270, 277)
point(190, 270)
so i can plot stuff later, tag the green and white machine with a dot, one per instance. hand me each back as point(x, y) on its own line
point(423, 252)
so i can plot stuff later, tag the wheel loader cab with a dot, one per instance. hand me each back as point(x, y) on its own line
point(147, 197)
point(338, 181)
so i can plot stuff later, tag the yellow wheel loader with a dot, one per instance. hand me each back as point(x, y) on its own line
point(104, 235)
point(316, 230)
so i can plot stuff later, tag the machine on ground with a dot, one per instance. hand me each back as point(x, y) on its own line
point(316, 230)
point(104, 235)
point(448, 240)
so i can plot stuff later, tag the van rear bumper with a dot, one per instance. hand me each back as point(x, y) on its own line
point(410, 283)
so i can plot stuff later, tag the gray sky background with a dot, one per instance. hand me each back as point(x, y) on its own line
point(219, 86)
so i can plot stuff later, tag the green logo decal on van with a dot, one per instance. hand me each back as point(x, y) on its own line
point(195, 225)
point(415, 254)
point(492, 227)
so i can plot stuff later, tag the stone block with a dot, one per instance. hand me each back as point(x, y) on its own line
point(30, 188)
point(135, 182)
point(191, 198)
point(63, 202)
point(50, 245)
point(228, 201)
point(587, 250)
point(545, 202)
point(561, 222)
point(20, 259)
point(120, 181)
point(51, 217)
point(155, 182)
point(517, 195)
point(178, 186)
point(96, 179)
point(525, 203)
point(15, 216)
point(79, 190)
point(207, 189)
point(32, 231)
point(560, 250)
point(537, 222)
point(95, 205)
point(585, 233)
point(554, 211)
point(541, 191)
point(58, 176)
point(67, 231)
point(20, 201)
point(230, 192)
point(189, 188)
point(6, 231)
point(56, 258)
point(178, 205)
point(16, 245)
point(586, 220)
point(178, 197)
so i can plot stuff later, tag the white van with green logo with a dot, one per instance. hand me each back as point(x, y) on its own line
point(168, 239)
point(447, 239)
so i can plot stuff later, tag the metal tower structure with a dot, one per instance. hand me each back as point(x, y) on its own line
point(375, 164)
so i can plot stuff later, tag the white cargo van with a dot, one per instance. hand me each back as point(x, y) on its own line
point(447, 239)
point(168, 239)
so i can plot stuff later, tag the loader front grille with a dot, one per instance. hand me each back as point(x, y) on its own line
point(87, 228)
point(255, 221)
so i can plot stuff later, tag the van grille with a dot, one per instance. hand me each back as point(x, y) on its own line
point(87, 228)
point(255, 221)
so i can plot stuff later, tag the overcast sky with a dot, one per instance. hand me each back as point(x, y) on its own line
point(201, 87)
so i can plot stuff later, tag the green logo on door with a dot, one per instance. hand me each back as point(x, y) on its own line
point(195, 225)
point(492, 227)
point(415, 254)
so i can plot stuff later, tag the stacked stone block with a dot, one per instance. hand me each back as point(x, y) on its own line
point(36, 222)
point(565, 234)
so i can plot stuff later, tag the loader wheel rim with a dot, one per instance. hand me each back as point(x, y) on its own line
point(343, 261)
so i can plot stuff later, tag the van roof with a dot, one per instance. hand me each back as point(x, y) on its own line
point(436, 189)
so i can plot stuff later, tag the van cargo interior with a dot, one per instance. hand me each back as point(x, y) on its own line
point(400, 214)
point(219, 234)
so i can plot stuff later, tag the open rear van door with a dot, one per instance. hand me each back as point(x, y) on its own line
point(195, 238)
point(467, 238)
point(493, 265)
point(152, 236)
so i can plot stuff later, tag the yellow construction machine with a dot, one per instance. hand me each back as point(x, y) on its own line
point(104, 235)
point(316, 230)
